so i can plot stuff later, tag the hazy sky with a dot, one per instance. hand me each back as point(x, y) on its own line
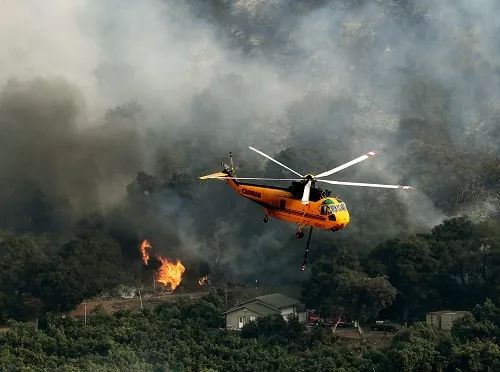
point(91, 92)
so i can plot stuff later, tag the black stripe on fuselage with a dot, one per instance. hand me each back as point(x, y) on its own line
point(291, 211)
point(298, 213)
point(273, 208)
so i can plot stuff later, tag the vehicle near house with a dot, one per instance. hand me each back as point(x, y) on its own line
point(270, 304)
point(385, 325)
point(314, 319)
point(345, 323)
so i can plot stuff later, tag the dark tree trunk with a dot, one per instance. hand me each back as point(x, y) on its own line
point(362, 339)
point(334, 328)
point(406, 311)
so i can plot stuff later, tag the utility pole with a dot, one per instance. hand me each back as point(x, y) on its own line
point(225, 293)
point(140, 298)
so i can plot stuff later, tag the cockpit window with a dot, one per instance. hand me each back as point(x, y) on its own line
point(328, 207)
point(341, 207)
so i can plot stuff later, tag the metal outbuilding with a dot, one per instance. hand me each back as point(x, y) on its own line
point(443, 319)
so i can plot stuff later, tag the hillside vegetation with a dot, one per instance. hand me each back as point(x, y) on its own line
point(187, 336)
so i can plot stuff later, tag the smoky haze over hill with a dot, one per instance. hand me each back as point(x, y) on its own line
point(94, 92)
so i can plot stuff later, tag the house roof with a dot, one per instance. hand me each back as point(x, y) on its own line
point(256, 307)
point(277, 300)
point(441, 312)
point(268, 304)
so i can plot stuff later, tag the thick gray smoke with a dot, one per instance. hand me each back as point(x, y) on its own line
point(93, 92)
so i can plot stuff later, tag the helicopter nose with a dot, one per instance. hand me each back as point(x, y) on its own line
point(343, 218)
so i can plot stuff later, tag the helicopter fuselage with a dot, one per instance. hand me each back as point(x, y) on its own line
point(325, 213)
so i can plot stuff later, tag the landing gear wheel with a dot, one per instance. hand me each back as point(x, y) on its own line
point(266, 218)
point(299, 234)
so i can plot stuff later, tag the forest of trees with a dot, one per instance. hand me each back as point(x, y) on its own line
point(187, 336)
point(454, 266)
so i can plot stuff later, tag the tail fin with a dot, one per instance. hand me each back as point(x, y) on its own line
point(228, 171)
point(227, 174)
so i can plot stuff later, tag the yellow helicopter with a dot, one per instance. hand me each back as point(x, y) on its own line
point(301, 203)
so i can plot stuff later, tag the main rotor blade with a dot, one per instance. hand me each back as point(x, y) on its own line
point(274, 160)
point(348, 164)
point(402, 187)
point(307, 192)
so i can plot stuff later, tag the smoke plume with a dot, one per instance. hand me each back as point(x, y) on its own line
point(92, 93)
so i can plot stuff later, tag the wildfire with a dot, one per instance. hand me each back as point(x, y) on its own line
point(145, 246)
point(169, 273)
point(204, 280)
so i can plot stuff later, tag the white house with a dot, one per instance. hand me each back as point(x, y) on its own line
point(274, 303)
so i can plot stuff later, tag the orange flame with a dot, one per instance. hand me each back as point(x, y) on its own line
point(145, 245)
point(203, 280)
point(170, 273)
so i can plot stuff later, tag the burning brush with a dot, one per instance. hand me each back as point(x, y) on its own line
point(169, 273)
point(203, 280)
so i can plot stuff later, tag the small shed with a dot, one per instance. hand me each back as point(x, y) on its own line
point(443, 319)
